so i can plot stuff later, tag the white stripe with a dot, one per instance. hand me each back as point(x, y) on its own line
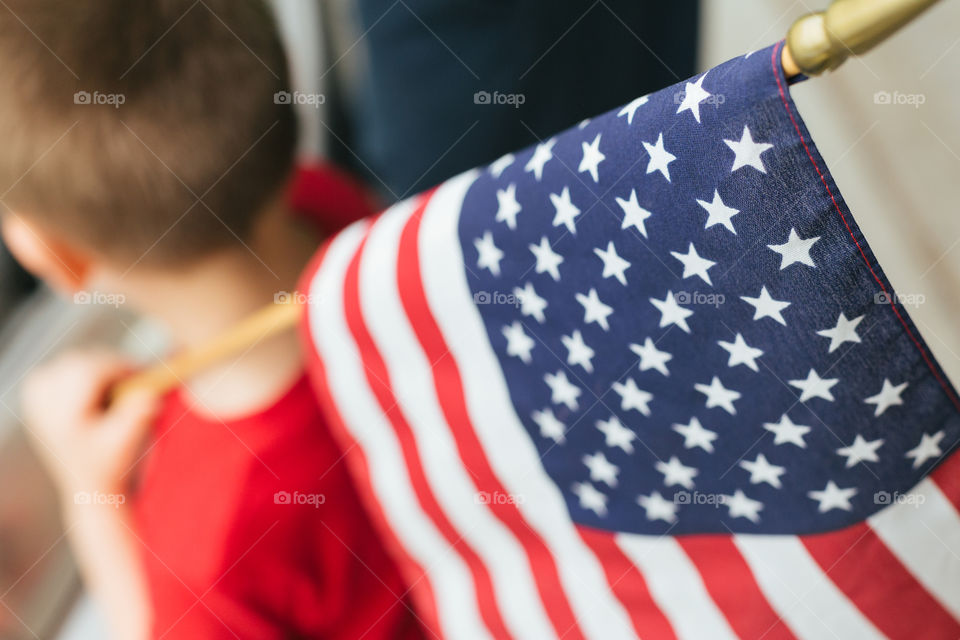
point(676, 586)
point(798, 590)
point(410, 376)
point(923, 532)
point(507, 446)
point(451, 581)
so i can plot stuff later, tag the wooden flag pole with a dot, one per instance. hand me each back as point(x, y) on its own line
point(816, 42)
point(263, 323)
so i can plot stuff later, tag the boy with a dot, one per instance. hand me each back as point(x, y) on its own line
point(143, 154)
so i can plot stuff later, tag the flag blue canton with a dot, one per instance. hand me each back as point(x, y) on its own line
point(691, 326)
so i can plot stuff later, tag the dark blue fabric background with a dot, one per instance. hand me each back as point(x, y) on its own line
point(414, 123)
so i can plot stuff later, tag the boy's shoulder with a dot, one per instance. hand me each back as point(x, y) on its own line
point(329, 196)
point(255, 509)
point(227, 476)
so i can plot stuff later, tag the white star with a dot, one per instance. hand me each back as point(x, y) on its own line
point(658, 507)
point(889, 396)
point(550, 427)
point(591, 158)
point(507, 206)
point(675, 472)
point(747, 152)
point(833, 497)
point(566, 211)
point(694, 435)
point(562, 391)
point(547, 259)
point(519, 343)
point(785, 431)
point(594, 310)
point(660, 158)
point(584, 123)
point(814, 386)
point(671, 312)
point(613, 264)
point(741, 352)
point(541, 156)
point(928, 448)
point(531, 304)
point(844, 331)
point(718, 395)
point(601, 469)
point(578, 353)
point(590, 498)
point(633, 397)
point(766, 307)
point(718, 213)
point(488, 255)
point(633, 214)
point(740, 506)
point(497, 166)
point(795, 249)
point(693, 95)
point(762, 471)
point(693, 264)
point(616, 435)
point(861, 451)
point(631, 108)
point(651, 357)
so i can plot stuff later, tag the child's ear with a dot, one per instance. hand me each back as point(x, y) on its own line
point(59, 264)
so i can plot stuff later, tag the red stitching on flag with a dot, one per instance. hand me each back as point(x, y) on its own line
point(783, 96)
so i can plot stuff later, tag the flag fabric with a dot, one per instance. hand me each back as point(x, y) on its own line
point(645, 379)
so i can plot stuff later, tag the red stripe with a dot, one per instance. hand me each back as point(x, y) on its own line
point(420, 588)
point(377, 376)
point(947, 477)
point(879, 585)
point(449, 386)
point(628, 585)
point(936, 373)
point(733, 588)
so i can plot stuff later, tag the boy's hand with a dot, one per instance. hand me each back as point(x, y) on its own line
point(86, 445)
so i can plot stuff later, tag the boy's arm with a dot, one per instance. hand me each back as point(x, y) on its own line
point(106, 552)
point(89, 450)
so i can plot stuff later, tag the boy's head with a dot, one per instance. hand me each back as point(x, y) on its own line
point(141, 131)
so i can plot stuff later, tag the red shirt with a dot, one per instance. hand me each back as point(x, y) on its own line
point(252, 528)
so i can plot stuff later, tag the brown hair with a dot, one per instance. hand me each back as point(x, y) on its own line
point(143, 129)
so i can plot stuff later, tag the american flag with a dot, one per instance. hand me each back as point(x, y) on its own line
point(645, 379)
